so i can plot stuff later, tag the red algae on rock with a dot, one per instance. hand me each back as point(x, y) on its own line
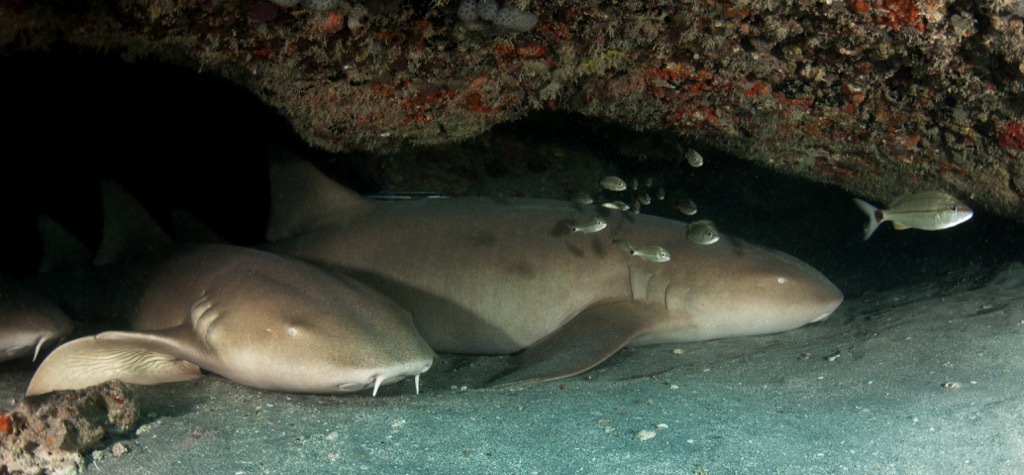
point(49, 433)
point(877, 96)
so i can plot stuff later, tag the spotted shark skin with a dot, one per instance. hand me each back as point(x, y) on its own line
point(500, 276)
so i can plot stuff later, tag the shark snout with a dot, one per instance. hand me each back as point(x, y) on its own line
point(830, 298)
point(821, 317)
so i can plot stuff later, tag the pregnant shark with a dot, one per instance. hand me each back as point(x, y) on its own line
point(500, 276)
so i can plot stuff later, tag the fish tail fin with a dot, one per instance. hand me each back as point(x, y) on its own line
point(875, 216)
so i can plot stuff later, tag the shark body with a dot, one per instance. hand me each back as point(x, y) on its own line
point(491, 276)
point(253, 317)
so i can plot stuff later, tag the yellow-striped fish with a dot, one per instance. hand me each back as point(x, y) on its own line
point(927, 210)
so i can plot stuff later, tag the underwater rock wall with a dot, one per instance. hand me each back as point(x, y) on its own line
point(878, 96)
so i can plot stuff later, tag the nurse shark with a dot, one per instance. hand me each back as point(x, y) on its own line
point(499, 276)
point(255, 318)
point(251, 316)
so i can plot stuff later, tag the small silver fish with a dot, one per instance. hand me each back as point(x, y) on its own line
point(694, 158)
point(703, 232)
point(652, 253)
point(661, 193)
point(613, 183)
point(581, 198)
point(635, 184)
point(619, 205)
point(926, 210)
point(644, 198)
point(647, 253)
point(590, 226)
point(687, 207)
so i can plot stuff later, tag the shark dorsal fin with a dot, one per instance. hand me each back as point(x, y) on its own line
point(128, 229)
point(303, 198)
point(189, 228)
point(60, 247)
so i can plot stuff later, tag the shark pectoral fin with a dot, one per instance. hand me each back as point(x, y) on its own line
point(582, 343)
point(97, 359)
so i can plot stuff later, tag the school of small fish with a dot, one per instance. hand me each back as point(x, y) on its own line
point(927, 210)
point(642, 192)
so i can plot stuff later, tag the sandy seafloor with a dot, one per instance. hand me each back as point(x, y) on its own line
point(862, 392)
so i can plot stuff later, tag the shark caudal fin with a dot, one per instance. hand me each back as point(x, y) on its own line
point(303, 198)
point(61, 249)
point(190, 229)
point(875, 217)
point(94, 360)
point(128, 229)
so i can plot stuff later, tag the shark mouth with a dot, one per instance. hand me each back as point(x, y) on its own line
point(387, 377)
point(377, 381)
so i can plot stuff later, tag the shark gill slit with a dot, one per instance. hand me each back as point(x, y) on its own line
point(630, 277)
point(648, 291)
point(664, 296)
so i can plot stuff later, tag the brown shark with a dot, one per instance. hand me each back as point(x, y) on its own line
point(257, 318)
point(254, 317)
point(496, 276)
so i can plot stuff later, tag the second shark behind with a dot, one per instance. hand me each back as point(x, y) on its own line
point(256, 318)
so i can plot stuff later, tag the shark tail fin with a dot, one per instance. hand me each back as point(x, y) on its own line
point(189, 228)
point(128, 229)
point(303, 198)
point(875, 216)
point(94, 360)
point(60, 247)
